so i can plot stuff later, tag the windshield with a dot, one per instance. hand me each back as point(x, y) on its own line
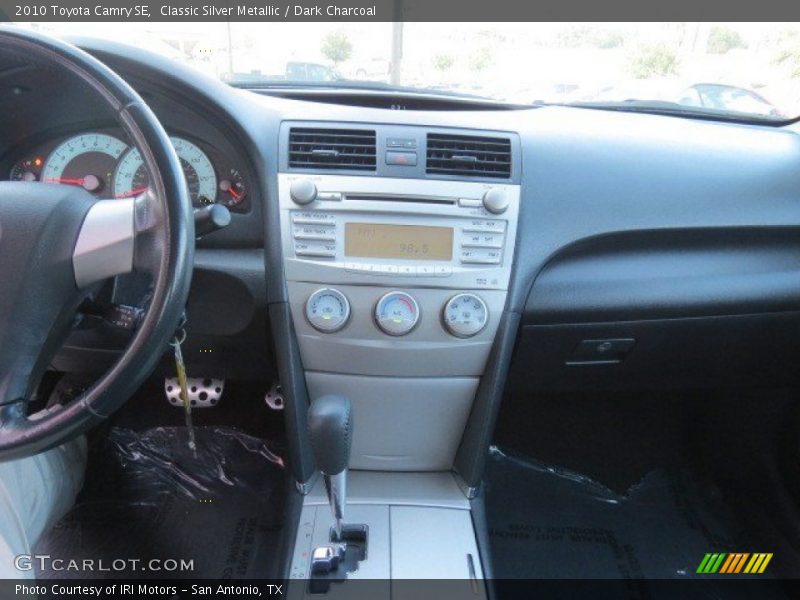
point(739, 69)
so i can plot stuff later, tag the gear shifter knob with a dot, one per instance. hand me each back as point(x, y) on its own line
point(330, 425)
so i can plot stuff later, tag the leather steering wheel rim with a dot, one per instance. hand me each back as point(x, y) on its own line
point(165, 245)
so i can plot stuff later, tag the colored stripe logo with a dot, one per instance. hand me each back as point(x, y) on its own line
point(735, 562)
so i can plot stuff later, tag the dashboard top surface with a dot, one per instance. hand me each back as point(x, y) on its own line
point(585, 174)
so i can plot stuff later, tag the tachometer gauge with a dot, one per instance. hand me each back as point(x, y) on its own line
point(131, 177)
point(86, 160)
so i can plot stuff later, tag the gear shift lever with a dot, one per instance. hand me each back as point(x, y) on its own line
point(330, 427)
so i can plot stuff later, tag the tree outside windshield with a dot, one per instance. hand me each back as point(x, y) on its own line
point(751, 68)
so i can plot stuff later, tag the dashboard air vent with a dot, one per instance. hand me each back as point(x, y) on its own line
point(312, 148)
point(469, 156)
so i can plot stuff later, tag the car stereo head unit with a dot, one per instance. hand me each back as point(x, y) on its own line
point(350, 229)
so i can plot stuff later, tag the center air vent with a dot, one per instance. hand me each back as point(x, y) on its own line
point(312, 148)
point(469, 156)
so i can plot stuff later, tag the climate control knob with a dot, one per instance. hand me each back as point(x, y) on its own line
point(303, 191)
point(495, 200)
point(397, 313)
point(465, 315)
point(327, 310)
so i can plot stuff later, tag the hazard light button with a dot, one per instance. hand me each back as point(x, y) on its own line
point(403, 159)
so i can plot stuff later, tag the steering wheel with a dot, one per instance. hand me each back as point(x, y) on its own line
point(56, 241)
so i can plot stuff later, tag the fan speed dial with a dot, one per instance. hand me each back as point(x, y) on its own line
point(327, 310)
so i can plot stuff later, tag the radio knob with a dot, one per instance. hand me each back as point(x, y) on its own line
point(495, 200)
point(303, 191)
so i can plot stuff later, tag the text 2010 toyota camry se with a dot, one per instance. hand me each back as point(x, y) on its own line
point(333, 311)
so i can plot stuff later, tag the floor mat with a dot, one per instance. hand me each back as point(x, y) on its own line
point(148, 496)
point(547, 523)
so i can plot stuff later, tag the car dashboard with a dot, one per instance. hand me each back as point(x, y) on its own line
point(623, 217)
point(429, 257)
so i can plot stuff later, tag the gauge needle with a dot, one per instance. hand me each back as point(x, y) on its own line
point(67, 180)
point(90, 182)
point(232, 191)
point(134, 192)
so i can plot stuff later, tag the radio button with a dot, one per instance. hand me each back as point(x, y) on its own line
point(313, 219)
point(480, 261)
point(316, 228)
point(480, 256)
point(315, 252)
point(330, 196)
point(482, 240)
point(425, 271)
point(319, 237)
point(408, 270)
point(482, 226)
point(442, 271)
point(470, 202)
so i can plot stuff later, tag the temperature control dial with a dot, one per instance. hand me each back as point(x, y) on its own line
point(397, 313)
point(465, 315)
point(327, 310)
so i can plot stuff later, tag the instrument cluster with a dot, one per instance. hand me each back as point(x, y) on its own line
point(108, 167)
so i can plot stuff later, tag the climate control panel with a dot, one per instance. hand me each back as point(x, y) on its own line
point(379, 330)
point(397, 313)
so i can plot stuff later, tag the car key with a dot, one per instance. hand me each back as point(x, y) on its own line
point(180, 368)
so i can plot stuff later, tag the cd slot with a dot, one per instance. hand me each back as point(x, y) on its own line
point(401, 198)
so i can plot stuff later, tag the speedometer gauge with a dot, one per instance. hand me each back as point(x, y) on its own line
point(85, 160)
point(131, 177)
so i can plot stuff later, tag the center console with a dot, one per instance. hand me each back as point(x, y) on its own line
point(397, 248)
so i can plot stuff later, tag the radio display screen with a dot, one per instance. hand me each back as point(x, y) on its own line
point(413, 242)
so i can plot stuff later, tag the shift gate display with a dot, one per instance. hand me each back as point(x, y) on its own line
point(412, 242)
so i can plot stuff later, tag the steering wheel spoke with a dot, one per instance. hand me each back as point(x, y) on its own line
point(105, 243)
point(118, 236)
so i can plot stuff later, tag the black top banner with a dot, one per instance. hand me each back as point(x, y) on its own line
point(397, 10)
